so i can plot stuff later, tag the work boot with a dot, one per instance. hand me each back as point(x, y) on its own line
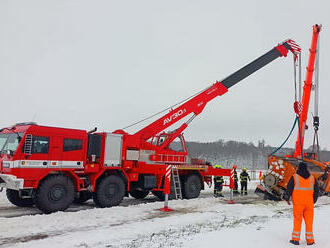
point(312, 243)
point(295, 242)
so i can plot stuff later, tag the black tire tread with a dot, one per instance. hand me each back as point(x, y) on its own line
point(192, 180)
point(99, 196)
point(42, 201)
point(13, 197)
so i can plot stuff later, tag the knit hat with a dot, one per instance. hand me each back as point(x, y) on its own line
point(302, 166)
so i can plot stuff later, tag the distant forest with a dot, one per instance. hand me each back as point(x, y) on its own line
point(243, 154)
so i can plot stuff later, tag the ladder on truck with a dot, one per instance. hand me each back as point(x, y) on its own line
point(176, 182)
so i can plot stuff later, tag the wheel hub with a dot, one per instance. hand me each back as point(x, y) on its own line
point(56, 193)
point(112, 190)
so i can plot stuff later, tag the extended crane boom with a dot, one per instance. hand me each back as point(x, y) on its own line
point(196, 104)
point(307, 92)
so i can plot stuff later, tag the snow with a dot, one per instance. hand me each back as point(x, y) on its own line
point(202, 222)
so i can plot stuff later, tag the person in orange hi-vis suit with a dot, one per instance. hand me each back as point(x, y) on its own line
point(304, 191)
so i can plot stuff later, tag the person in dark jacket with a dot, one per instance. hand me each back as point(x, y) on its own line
point(304, 191)
point(244, 177)
point(218, 183)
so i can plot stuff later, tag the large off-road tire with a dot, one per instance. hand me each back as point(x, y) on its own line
point(83, 197)
point(109, 191)
point(139, 194)
point(13, 197)
point(192, 186)
point(54, 194)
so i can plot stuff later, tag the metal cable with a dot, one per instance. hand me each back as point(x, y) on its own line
point(153, 115)
point(295, 78)
point(300, 140)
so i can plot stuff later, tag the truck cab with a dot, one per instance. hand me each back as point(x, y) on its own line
point(28, 152)
point(33, 156)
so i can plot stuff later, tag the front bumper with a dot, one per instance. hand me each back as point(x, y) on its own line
point(11, 182)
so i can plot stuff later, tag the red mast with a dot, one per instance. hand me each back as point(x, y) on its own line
point(307, 92)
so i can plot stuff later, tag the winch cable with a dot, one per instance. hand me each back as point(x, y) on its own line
point(300, 140)
point(297, 119)
point(295, 78)
point(162, 111)
point(316, 119)
point(298, 113)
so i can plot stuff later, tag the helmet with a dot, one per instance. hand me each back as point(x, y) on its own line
point(244, 169)
point(235, 166)
point(217, 166)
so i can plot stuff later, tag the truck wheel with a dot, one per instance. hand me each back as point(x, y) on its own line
point(83, 197)
point(13, 197)
point(55, 193)
point(192, 187)
point(139, 194)
point(109, 192)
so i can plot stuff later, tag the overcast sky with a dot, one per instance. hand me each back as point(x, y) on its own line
point(80, 64)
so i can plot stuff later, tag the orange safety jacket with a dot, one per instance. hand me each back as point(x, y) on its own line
point(303, 190)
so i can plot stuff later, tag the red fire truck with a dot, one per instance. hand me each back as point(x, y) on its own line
point(51, 167)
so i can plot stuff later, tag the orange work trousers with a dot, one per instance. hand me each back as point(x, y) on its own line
point(301, 211)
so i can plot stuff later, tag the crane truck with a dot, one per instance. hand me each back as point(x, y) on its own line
point(281, 168)
point(51, 167)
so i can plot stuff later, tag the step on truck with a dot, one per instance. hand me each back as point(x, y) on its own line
point(52, 167)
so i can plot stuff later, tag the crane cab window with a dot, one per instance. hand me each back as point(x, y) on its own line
point(72, 145)
point(40, 144)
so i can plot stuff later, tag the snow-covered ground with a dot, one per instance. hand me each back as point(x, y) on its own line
point(202, 222)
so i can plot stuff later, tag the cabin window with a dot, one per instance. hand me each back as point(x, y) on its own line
point(40, 144)
point(72, 145)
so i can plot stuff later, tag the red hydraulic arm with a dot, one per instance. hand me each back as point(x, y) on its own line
point(307, 93)
point(196, 104)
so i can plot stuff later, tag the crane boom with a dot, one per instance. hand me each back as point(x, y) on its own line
point(307, 92)
point(196, 104)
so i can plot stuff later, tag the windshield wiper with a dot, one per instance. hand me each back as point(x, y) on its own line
point(19, 138)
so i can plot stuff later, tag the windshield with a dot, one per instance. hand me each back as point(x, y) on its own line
point(9, 142)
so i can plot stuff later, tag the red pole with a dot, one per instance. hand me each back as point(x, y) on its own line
point(167, 188)
point(231, 183)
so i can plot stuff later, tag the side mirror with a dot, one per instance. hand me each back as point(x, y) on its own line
point(28, 144)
